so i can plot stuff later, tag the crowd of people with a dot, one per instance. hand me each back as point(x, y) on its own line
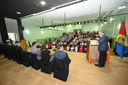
point(49, 60)
point(73, 41)
point(38, 57)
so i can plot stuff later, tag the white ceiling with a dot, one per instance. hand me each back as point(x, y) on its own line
point(77, 12)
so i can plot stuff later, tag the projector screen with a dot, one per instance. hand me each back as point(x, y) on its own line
point(12, 28)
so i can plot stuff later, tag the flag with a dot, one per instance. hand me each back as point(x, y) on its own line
point(122, 41)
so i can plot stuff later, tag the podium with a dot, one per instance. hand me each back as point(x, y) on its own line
point(93, 53)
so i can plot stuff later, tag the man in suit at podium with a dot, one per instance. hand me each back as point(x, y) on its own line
point(102, 48)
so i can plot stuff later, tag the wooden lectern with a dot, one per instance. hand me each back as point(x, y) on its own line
point(93, 53)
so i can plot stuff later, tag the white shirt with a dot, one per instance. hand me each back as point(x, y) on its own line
point(35, 50)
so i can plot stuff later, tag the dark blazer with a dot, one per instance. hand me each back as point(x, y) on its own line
point(103, 43)
point(62, 55)
point(45, 57)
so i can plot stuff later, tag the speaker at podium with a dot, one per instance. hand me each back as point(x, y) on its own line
point(93, 53)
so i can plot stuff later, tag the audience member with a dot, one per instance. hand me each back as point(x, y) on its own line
point(62, 55)
point(46, 53)
point(35, 50)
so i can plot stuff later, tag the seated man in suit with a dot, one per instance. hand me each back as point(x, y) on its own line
point(62, 55)
point(61, 64)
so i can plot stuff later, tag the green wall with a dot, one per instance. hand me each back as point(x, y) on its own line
point(35, 32)
point(111, 29)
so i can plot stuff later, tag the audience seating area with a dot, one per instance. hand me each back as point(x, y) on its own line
point(27, 59)
point(73, 41)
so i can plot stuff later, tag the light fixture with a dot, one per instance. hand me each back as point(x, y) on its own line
point(27, 31)
point(121, 7)
point(55, 28)
point(53, 8)
point(34, 14)
point(101, 25)
point(78, 0)
point(105, 22)
point(111, 19)
point(42, 32)
point(43, 3)
point(119, 25)
point(18, 12)
point(98, 29)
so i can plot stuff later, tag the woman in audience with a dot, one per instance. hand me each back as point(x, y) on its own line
point(46, 54)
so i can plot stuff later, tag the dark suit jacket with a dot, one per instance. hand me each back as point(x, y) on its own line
point(62, 55)
point(103, 43)
point(45, 57)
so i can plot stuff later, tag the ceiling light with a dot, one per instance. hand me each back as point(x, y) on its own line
point(53, 8)
point(101, 25)
point(119, 25)
point(105, 22)
point(42, 32)
point(111, 19)
point(78, 0)
point(121, 7)
point(27, 31)
point(18, 12)
point(43, 3)
point(33, 14)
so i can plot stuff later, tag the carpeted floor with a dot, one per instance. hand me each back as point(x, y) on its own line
point(81, 73)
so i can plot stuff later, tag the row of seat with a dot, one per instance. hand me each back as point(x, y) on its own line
point(28, 59)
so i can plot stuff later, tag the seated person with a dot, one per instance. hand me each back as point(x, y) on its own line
point(62, 55)
point(68, 48)
point(47, 56)
point(35, 50)
point(9, 42)
point(76, 48)
point(72, 48)
point(53, 46)
point(82, 43)
point(46, 46)
point(17, 43)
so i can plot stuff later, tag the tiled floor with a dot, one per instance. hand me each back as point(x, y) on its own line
point(81, 73)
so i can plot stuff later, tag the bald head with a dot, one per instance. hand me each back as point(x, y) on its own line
point(61, 47)
point(100, 33)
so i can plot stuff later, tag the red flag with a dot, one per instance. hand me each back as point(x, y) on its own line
point(123, 28)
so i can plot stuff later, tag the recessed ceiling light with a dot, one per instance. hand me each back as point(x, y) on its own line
point(43, 3)
point(42, 32)
point(34, 14)
point(27, 31)
point(121, 7)
point(18, 12)
point(53, 8)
